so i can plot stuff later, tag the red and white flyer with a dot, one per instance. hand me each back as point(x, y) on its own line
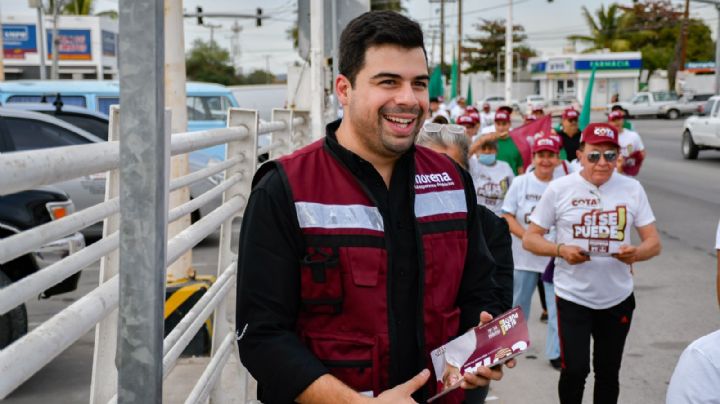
point(490, 344)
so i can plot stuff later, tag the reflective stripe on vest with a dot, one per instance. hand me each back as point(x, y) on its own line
point(324, 216)
point(438, 203)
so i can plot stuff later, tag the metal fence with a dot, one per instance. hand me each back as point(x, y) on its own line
point(99, 308)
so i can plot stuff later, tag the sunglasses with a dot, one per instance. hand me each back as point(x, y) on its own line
point(609, 155)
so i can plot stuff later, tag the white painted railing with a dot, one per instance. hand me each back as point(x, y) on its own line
point(25, 170)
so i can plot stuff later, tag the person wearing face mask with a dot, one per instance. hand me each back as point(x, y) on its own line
point(491, 177)
point(520, 201)
point(593, 212)
point(507, 151)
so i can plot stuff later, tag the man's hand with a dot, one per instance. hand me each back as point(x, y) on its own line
point(627, 254)
point(573, 254)
point(402, 393)
point(484, 374)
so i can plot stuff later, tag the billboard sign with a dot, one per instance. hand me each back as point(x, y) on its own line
point(74, 44)
point(18, 39)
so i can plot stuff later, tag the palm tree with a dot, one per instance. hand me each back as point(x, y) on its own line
point(78, 7)
point(606, 32)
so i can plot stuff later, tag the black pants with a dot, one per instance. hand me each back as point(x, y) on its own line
point(608, 328)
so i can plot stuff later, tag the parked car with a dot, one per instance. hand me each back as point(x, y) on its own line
point(698, 101)
point(530, 101)
point(702, 132)
point(27, 130)
point(90, 121)
point(495, 102)
point(22, 211)
point(558, 105)
point(657, 103)
point(207, 103)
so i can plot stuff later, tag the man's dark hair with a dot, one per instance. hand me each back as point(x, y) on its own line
point(375, 28)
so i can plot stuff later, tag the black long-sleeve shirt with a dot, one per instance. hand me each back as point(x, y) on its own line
point(496, 232)
point(271, 246)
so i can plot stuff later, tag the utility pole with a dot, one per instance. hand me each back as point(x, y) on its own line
point(442, 36)
point(508, 54)
point(460, 50)
point(2, 52)
point(267, 69)
point(683, 49)
point(54, 74)
point(212, 31)
point(235, 42)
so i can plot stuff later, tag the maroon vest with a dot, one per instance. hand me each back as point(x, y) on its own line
point(343, 318)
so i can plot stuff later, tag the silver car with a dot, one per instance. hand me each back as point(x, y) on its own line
point(22, 130)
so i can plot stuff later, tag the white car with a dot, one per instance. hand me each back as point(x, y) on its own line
point(702, 132)
point(529, 102)
point(495, 102)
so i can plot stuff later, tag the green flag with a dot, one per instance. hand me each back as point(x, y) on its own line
point(436, 83)
point(469, 98)
point(453, 79)
point(587, 105)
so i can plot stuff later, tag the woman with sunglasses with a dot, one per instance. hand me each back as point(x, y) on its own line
point(593, 212)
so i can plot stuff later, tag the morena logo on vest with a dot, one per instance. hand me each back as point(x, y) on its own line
point(433, 180)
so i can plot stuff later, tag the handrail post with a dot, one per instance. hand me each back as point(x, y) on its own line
point(301, 134)
point(224, 317)
point(282, 137)
point(103, 385)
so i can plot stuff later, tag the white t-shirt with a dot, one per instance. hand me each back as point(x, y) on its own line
point(487, 119)
point(491, 183)
point(696, 379)
point(630, 142)
point(599, 220)
point(524, 193)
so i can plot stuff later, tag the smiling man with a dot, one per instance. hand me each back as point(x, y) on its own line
point(358, 253)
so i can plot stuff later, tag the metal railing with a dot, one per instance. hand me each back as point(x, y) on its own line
point(99, 308)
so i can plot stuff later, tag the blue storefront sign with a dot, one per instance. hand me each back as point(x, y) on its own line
point(538, 67)
point(19, 39)
point(616, 64)
point(108, 43)
point(74, 44)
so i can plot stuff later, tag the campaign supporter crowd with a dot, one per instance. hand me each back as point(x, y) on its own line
point(432, 219)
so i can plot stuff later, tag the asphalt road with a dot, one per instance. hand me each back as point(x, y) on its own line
point(675, 292)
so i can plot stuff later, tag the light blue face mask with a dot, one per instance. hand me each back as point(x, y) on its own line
point(487, 159)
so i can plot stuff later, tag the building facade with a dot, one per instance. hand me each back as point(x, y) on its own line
point(617, 74)
point(88, 47)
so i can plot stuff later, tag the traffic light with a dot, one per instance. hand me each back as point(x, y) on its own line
point(258, 18)
point(199, 15)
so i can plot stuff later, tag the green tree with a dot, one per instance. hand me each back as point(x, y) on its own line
point(483, 52)
point(257, 77)
point(79, 7)
point(209, 62)
point(606, 32)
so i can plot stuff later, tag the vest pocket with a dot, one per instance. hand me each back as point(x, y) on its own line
point(353, 360)
point(321, 289)
point(364, 264)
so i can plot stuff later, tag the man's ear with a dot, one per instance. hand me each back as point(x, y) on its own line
point(343, 89)
point(578, 153)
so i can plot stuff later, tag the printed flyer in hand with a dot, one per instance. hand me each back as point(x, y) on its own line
point(490, 344)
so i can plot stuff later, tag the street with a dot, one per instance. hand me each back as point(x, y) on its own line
point(675, 292)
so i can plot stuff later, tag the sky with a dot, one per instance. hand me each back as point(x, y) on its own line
point(546, 24)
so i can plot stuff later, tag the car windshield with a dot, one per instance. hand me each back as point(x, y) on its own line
point(665, 96)
point(96, 126)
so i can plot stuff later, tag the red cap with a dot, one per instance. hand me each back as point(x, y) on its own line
point(617, 114)
point(545, 143)
point(465, 120)
point(502, 116)
point(470, 109)
point(596, 133)
point(530, 118)
point(508, 110)
point(570, 113)
point(475, 116)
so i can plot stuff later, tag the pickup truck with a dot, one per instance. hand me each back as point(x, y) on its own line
point(657, 103)
point(702, 132)
point(22, 211)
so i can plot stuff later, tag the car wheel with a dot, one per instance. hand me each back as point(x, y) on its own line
point(673, 114)
point(13, 324)
point(689, 148)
